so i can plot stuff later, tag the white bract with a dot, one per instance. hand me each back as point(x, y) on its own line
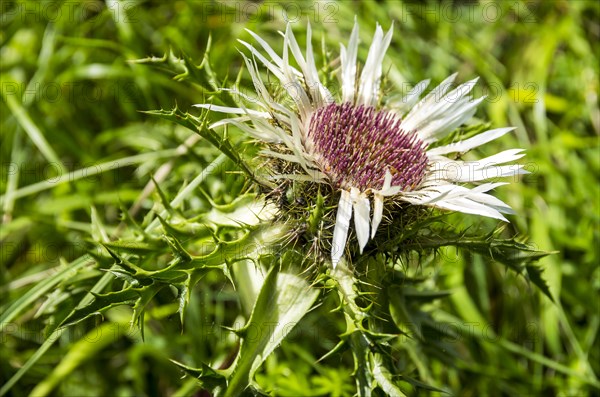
point(369, 153)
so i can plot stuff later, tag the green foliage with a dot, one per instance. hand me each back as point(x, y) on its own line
point(133, 241)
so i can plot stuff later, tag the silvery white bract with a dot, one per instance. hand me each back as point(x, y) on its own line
point(368, 152)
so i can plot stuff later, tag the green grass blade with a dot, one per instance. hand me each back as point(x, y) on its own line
point(34, 133)
point(87, 172)
point(84, 349)
point(42, 288)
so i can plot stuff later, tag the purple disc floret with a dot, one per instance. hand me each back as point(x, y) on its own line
point(355, 145)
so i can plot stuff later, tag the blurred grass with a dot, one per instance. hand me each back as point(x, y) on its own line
point(71, 103)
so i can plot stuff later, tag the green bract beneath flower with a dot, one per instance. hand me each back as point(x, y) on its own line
point(365, 152)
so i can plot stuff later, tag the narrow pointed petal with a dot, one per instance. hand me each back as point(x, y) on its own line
point(388, 189)
point(467, 144)
point(387, 181)
point(276, 58)
point(492, 202)
point(503, 157)
point(314, 87)
point(317, 90)
point(292, 85)
point(437, 115)
point(342, 224)
point(229, 121)
point(257, 80)
point(461, 199)
point(478, 171)
point(258, 133)
point(467, 206)
point(349, 66)
point(461, 91)
point(414, 116)
point(273, 68)
point(362, 208)
point(292, 43)
point(227, 109)
point(377, 213)
point(410, 99)
point(448, 119)
point(371, 75)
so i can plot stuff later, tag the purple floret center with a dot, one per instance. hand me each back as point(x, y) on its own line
point(355, 145)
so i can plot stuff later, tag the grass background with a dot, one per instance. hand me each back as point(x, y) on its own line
point(75, 149)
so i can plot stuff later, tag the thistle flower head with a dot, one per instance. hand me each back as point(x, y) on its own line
point(362, 150)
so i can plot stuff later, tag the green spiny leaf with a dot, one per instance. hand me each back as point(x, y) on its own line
point(103, 302)
point(283, 300)
point(199, 126)
point(131, 247)
point(208, 377)
point(180, 253)
point(534, 274)
point(163, 198)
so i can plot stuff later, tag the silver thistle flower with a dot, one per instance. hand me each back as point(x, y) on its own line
point(365, 151)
